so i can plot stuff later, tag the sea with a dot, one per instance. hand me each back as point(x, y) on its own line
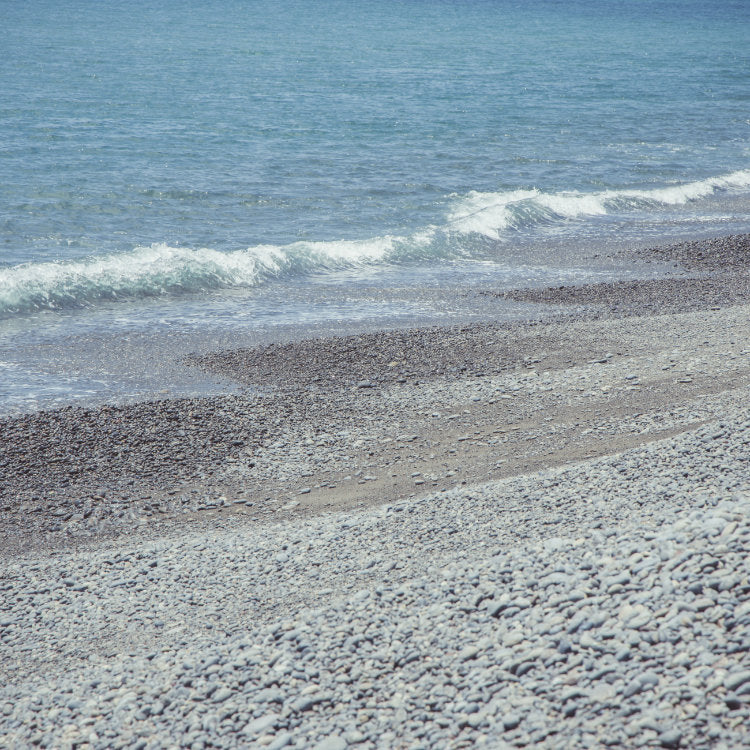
point(185, 176)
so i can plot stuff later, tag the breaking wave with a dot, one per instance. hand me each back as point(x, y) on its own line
point(160, 269)
point(493, 214)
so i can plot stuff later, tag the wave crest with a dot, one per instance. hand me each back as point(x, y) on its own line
point(160, 269)
point(491, 214)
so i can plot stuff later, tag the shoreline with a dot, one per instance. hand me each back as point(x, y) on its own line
point(357, 420)
point(513, 536)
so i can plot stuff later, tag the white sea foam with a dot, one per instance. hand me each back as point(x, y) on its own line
point(492, 214)
point(160, 269)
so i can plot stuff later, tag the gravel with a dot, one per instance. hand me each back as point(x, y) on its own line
point(152, 596)
point(717, 275)
point(717, 254)
point(603, 603)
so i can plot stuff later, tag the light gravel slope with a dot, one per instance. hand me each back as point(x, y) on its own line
point(526, 536)
point(605, 603)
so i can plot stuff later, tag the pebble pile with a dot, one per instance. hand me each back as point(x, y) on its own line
point(606, 603)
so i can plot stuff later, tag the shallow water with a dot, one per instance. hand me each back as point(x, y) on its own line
point(227, 172)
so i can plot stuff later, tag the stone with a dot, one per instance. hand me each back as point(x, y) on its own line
point(332, 742)
point(670, 738)
point(468, 653)
point(603, 693)
point(306, 702)
point(280, 741)
point(222, 694)
point(735, 679)
point(511, 722)
point(261, 724)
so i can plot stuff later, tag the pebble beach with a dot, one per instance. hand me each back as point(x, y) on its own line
point(504, 535)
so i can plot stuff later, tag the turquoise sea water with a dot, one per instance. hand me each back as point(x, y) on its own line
point(183, 174)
